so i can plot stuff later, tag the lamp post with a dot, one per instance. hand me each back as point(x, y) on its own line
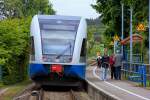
point(149, 31)
point(131, 11)
point(122, 25)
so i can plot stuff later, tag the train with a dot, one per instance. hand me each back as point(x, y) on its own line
point(58, 50)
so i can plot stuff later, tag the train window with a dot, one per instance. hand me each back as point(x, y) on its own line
point(32, 52)
point(57, 46)
point(58, 39)
point(83, 51)
point(51, 34)
point(58, 27)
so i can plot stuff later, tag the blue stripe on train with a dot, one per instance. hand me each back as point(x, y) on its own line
point(75, 70)
point(37, 69)
point(69, 70)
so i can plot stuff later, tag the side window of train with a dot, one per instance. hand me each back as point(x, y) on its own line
point(32, 51)
point(83, 51)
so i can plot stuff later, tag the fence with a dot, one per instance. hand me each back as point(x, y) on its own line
point(136, 72)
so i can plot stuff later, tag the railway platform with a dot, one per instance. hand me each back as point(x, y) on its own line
point(120, 89)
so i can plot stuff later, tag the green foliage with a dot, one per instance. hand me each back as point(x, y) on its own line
point(14, 35)
point(90, 38)
point(19, 8)
point(14, 90)
point(110, 15)
point(14, 41)
point(94, 26)
point(33, 7)
point(110, 11)
point(11, 8)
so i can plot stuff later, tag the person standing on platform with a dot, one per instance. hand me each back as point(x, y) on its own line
point(111, 62)
point(117, 65)
point(98, 60)
point(105, 65)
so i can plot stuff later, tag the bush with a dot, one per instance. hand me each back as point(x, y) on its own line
point(14, 49)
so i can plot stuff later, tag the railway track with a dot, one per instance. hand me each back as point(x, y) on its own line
point(58, 95)
point(53, 95)
point(35, 93)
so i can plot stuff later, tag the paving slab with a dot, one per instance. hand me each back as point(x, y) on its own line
point(124, 90)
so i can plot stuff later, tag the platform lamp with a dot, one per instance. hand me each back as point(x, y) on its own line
point(131, 32)
point(122, 24)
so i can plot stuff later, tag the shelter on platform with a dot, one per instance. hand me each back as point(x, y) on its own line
point(138, 55)
point(135, 38)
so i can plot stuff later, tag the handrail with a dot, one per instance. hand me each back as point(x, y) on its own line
point(148, 74)
point(135, 63)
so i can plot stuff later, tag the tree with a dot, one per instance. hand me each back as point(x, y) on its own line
point(20, 8)
point(14, 35)
point(32, 7)
point(14, 41)
point(110, 11)
point(94, 36)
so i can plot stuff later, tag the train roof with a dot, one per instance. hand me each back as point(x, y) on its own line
point(62, 17)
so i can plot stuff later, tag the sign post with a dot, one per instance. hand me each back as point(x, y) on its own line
point(122, 25)
point(149, 31)
point(131, 10)
point(140, 27)
point(116, 39)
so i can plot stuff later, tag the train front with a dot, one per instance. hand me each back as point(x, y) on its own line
point(58, 50)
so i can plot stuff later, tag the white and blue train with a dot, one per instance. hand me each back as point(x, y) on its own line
point(58, 49)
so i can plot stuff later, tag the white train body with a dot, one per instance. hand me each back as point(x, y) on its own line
point(58, 40)
point(78, 34)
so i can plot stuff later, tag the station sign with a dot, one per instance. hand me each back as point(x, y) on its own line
point(140, 27)
point(116, 38)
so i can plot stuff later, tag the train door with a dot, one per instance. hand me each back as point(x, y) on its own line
point(83, 51)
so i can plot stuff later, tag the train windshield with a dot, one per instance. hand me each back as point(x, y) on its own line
point(58, 38)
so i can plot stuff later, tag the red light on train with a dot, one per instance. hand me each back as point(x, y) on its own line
point(56, 68)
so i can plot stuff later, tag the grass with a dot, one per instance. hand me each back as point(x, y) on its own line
point(147, 85)
point(2, 85)
point(14, 90)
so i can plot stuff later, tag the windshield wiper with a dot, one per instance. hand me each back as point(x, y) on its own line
point(64, 51)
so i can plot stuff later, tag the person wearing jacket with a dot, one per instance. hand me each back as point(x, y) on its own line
point(98, 60)
point(105, 65)
point(117, 65)
point(111, 62)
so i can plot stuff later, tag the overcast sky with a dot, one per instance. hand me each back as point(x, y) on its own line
point(75, 8)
